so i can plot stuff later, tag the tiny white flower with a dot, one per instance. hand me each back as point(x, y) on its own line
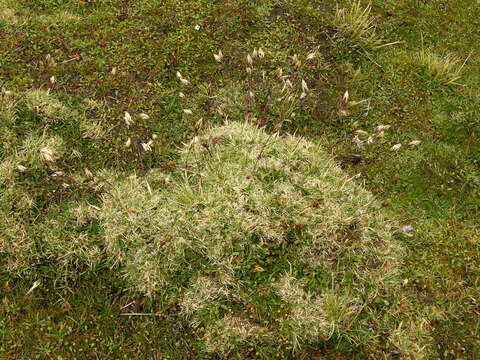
point(144, 116)
point(197, 27)
point(218, 57)
point(21, 168)
point(414, 142)
point(396, 147)
point(188, 111)
point(128, 142)
point(53, 80)
point(181, 94)
point(128, 119)
point(304, 86)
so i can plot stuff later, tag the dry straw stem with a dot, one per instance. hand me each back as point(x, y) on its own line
point(244, 200)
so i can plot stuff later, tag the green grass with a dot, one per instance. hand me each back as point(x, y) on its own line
point(49, 232)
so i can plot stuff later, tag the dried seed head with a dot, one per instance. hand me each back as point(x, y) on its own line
point(414, 143)
point(185, 82)
point(8, 93)
point(312, 55)
point(289, 83)
point(303, 95)
point(249, 60)
point(254, 53)
point(53, 80)
point(179, 75)
point(370, 140)
point(50, 60)
point(47, 154)
point(188, 111)
point(181, 94)
point(279, 73)
point(88, 173)
point(380, 128)
point(261, 53)
point(381, 134)
point(128, 142)
point(358, 143)
point(361, 133)
point(147, 146)
point(144, 116)
point(250, 93)
point(304, 86)
point(113, 71)
point(128, 119)
point(396, 147)
point(154, 137)
point(345, 97)
point(21, 168)
point(218, 57)
point(249, 70)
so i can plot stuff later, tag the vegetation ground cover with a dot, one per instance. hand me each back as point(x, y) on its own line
point(71, 69)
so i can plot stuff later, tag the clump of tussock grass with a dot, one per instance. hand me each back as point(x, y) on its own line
point(261, 240)
point(46, 106)
point(355, 24)
point(445, 69)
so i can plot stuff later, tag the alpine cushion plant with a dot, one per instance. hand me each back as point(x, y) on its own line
point(260, 242)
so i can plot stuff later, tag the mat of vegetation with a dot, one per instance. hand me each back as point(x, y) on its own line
point(95, 92)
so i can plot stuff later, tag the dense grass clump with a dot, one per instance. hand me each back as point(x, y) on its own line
point(260, 241)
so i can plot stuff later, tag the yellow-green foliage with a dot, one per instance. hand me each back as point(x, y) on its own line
point(445, 69)
point(261, 240)
point(355, 24)
point(30, 233)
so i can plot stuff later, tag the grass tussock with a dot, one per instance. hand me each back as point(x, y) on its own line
point(445, 69)
point(261, 240)
point(355, 24)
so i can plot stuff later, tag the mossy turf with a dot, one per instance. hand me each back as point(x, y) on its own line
point(76, 309)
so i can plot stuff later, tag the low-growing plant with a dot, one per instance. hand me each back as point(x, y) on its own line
point(355, 24)
point(445, 69)
point(261, 241)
